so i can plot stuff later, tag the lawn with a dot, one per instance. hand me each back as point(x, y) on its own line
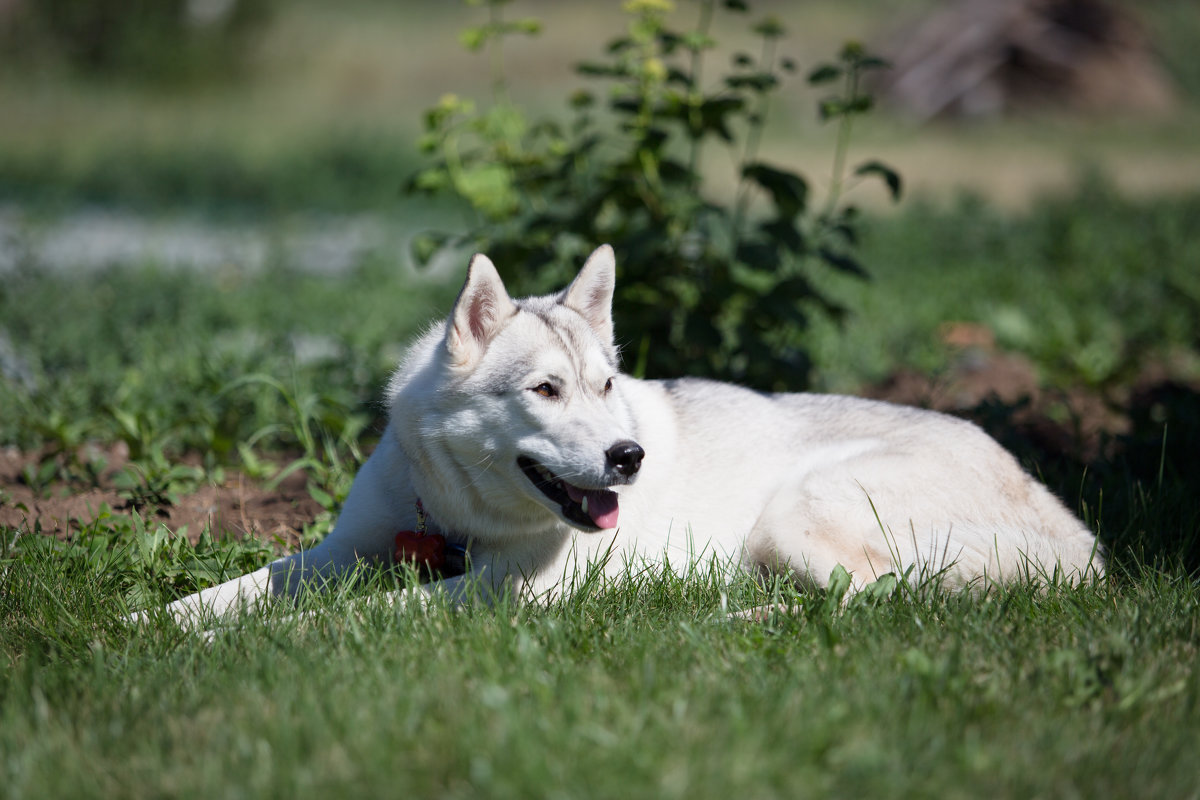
point(165, 426)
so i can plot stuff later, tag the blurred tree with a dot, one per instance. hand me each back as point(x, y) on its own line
point(155, 40)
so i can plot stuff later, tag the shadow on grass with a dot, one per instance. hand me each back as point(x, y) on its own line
point(1140, 488)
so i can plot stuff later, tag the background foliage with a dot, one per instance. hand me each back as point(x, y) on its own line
point(706, 286)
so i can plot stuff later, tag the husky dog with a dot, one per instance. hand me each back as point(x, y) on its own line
point(513, 428)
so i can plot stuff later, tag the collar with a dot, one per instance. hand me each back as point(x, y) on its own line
point(429, 552)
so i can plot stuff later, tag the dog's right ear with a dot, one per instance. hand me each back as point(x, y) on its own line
point(482, 308)
point(591, 293)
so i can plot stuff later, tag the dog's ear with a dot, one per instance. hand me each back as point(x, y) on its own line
point(482, 308)
point(591, 293)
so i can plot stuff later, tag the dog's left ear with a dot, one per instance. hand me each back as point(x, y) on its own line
point(591, 293)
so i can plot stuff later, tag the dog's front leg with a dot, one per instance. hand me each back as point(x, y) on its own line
point(381, 502)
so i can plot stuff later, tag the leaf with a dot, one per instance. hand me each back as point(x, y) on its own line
point(757, 81)
point(528, 25)
point(839, 584)
point(785, 232)
point(889, 176)
point(714, 116)
point(758, 255)
point(825, 73)
point(871, 62)
point(473, 39)
point(830, 107)
point(581, 99)
point(859, 104)
point(597, 70)
point(323, 498)
point(619, 45)
point(843, 263)
point(770, 28)
point(489, 188)
point(789, 192)
point(425, 246)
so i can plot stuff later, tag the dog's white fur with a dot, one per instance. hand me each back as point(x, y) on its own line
point(792, 483)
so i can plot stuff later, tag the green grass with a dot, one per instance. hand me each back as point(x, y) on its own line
point(646, 690)
point(1090, 285)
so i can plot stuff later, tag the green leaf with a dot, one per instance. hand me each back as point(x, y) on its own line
point(529, 26)
point(889, 176)
point(473, 39)
point(324, 498)
point(581, 99)
point(825, 73)
point(839, 584)
point(843, 263)
point(425, 246)
point(830, 107)
point(770, 28)
point(788, 191)
point(695, 42)
point(489, 188)
point(756, 81)
point(715, 113)
point(786, 233)
point(595, 69)
point(859, 104)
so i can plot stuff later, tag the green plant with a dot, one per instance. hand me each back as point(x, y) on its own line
point(721, 287)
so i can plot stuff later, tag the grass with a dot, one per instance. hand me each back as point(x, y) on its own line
point(1087, 283)
point(645, 690)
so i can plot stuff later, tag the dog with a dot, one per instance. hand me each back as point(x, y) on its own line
point(518, 447)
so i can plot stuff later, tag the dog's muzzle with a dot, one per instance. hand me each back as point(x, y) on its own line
point(588, 509)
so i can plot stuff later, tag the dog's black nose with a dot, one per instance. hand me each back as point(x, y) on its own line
point(626, 457)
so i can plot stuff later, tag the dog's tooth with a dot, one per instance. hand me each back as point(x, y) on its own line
point(583, 503)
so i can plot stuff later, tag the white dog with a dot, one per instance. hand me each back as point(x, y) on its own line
point(513, 428)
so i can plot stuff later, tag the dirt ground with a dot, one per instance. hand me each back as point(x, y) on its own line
point(236, 507)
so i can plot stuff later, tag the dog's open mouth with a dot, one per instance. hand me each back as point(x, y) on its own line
point(592, 509)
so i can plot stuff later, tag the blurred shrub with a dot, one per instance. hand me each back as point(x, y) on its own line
point(705, 286)
point(155, 40)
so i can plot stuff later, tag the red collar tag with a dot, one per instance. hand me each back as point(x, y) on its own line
point(427, 551)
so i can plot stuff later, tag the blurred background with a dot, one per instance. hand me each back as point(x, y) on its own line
point(287, 104)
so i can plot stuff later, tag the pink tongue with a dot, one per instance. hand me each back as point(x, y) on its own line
point(601, 504)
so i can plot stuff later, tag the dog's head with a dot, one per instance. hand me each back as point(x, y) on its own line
point(513, 413)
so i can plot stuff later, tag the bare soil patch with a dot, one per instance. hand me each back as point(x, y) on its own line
point(238, 506)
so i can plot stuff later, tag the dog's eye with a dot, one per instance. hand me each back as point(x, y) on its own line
point(545, 390)
point(608, 386)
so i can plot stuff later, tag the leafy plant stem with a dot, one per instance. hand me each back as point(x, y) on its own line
point(758, 121)
point(841, 147)
point(696, 94)
point(496, 56)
